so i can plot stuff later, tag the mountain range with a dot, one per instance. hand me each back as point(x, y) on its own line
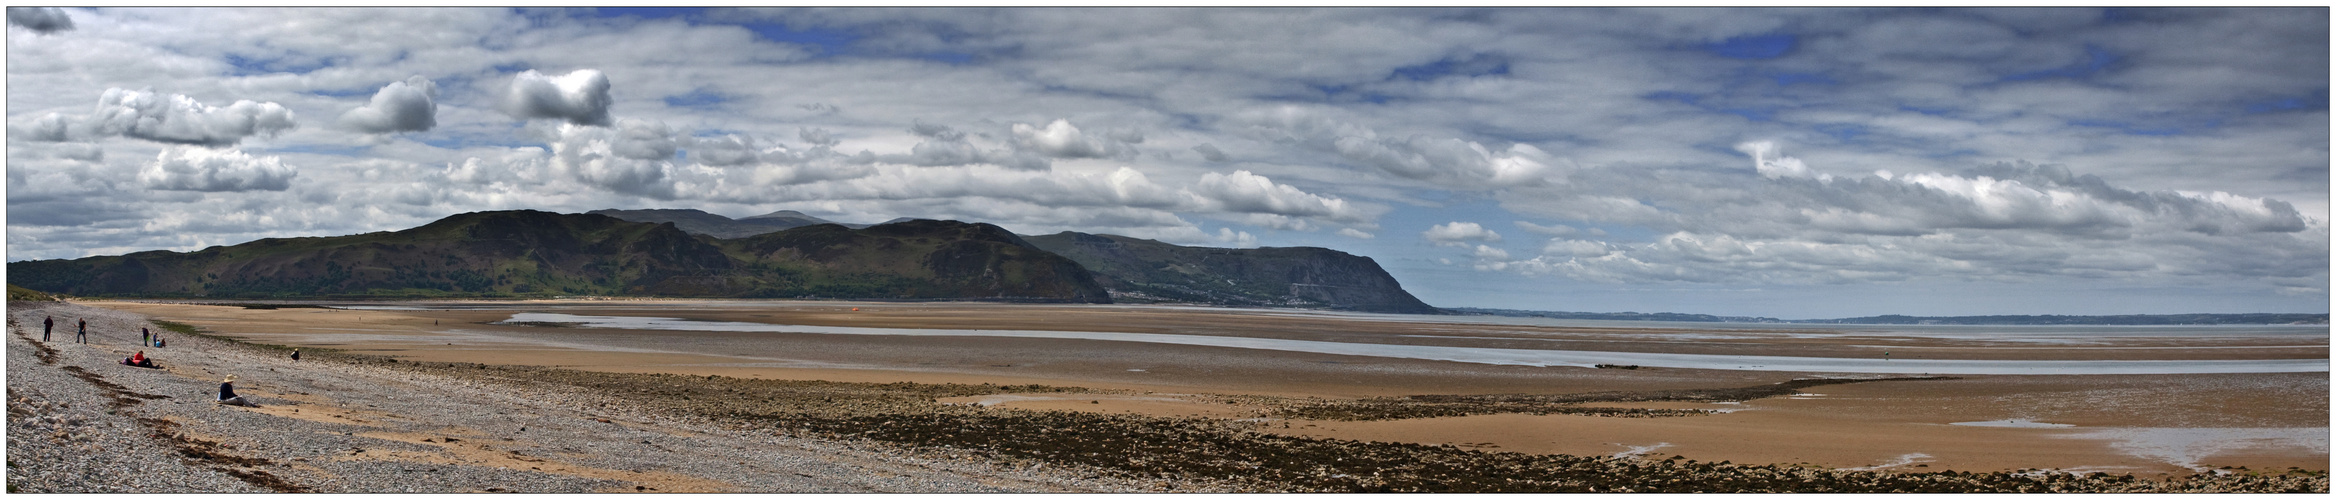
point(532, 253)
point(691, 253)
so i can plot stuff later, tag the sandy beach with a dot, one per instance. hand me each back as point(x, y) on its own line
point(2168, 426)
point(2124, 424)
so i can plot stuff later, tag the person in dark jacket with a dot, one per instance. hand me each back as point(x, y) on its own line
point(81, 333)
point(227, 394)
point(47, 323)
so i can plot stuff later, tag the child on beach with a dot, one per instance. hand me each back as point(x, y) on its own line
point(227, 394)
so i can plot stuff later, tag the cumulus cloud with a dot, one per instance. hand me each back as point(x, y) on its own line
point(181, 120)
point(407, 106)
point(1245, 192)
point(1061, 140)
point(42, 20)
point(209, 170)
point(1235, 239)
point(579, 97)
point(635, 159)
point(1772, 163)
point(1458, 233)
point(52, 127)
point(945, 146)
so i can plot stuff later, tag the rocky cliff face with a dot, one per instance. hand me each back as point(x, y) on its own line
point(1140, 270)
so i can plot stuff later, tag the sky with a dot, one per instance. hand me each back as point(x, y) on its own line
point(1790, 163)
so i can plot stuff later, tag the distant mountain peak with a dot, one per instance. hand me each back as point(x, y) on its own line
point(790, 214)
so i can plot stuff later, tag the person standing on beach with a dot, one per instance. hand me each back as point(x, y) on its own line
point(47, 323)
point(145, 338)
point(81, 332)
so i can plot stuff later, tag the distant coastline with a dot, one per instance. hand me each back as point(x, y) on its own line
point(1896, 319)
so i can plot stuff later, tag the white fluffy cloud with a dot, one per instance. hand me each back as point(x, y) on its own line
point(203, 169)
point(180, 119)
point(636, 158)
point(1458, 233)
point(579, 97)
point(1245, 192)
point(1061, 140)
point(407, 106)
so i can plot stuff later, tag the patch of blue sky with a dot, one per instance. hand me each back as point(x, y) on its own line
point(2096, 61)
point(1846, 132)
point(1769, 46)
point(2316, 101)
point(1758, 114)
point(347, 92)
point(1786, 79)
point(1474, 66)
point(244, 66)
point(2129, 128)
point(512, 68)
point(466, 141)
point(649, 12)
point(1926, 111)
point(696, 99)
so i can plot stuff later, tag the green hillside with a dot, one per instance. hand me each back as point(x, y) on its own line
point(532, 253)
point(1136, 269)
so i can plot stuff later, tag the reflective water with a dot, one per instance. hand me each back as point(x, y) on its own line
point(1504, 356)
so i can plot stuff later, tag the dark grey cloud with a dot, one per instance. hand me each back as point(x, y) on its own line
point(946, 146)
point(407, 106)
point(1211, 153)
point(724, 151)
point(180, 119)
point(212, 170)
point(579, 97)
point(40, 19)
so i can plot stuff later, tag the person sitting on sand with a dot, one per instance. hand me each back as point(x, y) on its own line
point(140, 360)
point(227, 394)
point(295, 354)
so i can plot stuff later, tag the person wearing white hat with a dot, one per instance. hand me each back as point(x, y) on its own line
point(227, 393)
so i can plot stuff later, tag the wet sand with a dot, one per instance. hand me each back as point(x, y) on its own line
point(1903, 425)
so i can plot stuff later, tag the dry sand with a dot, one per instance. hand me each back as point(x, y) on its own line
point(2117, 422)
